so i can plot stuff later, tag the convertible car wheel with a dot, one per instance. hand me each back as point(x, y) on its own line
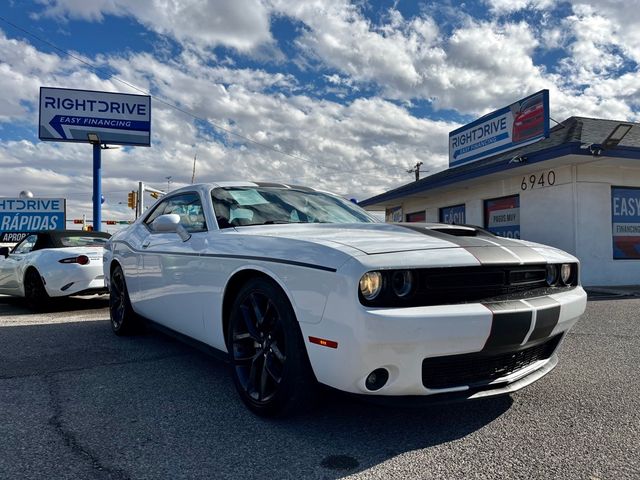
point(124, 320)
point(270, 366)
point(34, 291)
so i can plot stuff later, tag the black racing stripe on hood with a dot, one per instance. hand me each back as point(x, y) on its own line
point(486, 247)
point(492, 255)
point(470, 241)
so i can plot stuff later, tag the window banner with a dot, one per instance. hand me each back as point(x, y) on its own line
point(455, 215)
point(502, 216)
point(625, 216)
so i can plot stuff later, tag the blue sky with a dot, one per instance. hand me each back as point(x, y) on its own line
point(354, 92)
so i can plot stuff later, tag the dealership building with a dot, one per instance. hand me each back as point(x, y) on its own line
point(576, 187)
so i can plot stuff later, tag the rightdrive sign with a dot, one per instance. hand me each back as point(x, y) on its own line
point(117, 118)
point(19, 216)
point(523, 122)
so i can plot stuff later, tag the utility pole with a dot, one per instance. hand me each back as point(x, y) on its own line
point(416, 170)
point(193, 175)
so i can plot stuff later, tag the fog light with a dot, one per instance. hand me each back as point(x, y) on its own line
point(377, 379)
point(565, 273)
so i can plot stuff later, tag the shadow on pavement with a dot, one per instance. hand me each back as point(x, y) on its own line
point(18, 306)
point(150, 406)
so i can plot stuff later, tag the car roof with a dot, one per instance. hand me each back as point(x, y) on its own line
point(52, 238)
point(240, 183)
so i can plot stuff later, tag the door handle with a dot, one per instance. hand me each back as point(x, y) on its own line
point(146, 243)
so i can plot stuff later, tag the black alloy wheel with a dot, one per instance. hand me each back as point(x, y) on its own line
point(124, 321)
point(270, 367)
point(34, 291)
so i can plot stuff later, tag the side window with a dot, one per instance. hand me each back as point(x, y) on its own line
point(188, 206)
point(159, 210)
point(26, 245)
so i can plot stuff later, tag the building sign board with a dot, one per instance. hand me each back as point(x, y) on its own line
point(68, 115)
point(455, 215)
point(20, 216)
point(502, 216)
point(625, 216)
point(523, 122)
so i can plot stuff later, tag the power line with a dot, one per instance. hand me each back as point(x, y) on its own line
point(167, 103)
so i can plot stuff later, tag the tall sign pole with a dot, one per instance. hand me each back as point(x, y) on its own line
point(97, 186)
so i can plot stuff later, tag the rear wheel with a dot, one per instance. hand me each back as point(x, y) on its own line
point(34, 291)
point(270, 367)
point(124, 321)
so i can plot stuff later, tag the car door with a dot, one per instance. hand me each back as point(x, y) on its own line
point(170, 270)
point(11, 267)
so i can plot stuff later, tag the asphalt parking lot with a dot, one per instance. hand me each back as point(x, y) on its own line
point(78, 402)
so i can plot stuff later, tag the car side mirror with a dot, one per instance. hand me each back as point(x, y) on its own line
point(4, 251)
point(167, 223)
point(170, 223)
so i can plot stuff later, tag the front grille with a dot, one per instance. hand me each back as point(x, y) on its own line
point(466, 284)
point(480, 368)
point(445, 286)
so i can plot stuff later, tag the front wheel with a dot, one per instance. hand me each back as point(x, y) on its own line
point(269, 363)
point(124, 321)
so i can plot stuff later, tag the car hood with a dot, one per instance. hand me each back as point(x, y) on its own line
point(377, 238)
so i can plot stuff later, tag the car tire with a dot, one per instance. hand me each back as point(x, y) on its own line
point(124, 321)
point(269, 362)
point(34, 292)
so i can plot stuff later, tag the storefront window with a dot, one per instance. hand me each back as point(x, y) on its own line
point(455, 215)
point(416, 216)
point(393, 214)
point(502, 216)
point(625, 216)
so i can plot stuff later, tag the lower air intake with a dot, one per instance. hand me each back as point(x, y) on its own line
point(475, 369)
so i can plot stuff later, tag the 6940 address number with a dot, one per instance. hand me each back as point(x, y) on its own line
point(544, 179)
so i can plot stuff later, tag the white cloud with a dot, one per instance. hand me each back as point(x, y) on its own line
point(502, 7)
point(240, 24)
point(357, 149)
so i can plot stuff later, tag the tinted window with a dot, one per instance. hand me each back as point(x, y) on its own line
point(82, 241)
point(187, 205)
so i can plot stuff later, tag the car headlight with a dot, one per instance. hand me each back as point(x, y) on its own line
point(371, 285)
point(565, 273)
point(402, 282)
point(552, 274)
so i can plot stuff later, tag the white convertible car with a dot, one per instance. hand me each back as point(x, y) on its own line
point(301, 287)
point(53, 264)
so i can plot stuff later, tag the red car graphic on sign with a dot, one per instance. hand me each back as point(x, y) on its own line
point(528, 122)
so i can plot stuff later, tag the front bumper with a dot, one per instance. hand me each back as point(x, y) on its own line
point(399, 341)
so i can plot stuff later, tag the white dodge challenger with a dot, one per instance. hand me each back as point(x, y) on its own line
point(300, 287)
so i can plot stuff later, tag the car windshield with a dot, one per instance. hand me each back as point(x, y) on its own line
point(243, 206)
point(82, 241)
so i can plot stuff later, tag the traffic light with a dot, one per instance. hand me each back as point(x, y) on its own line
point(132, 199)
point(77, 221)
point(154, 194)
